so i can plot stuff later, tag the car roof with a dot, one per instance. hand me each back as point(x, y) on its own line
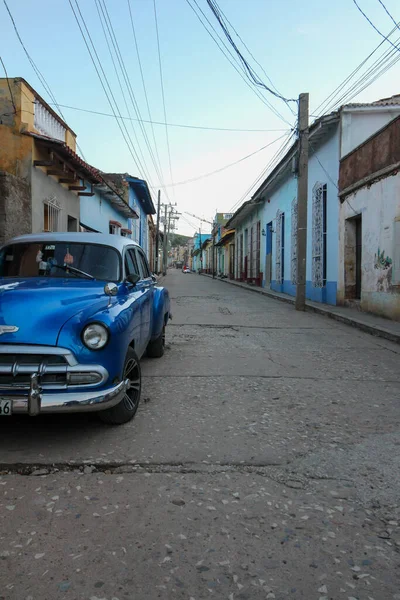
point(104, 239)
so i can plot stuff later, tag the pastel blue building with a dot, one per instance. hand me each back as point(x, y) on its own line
point(105, 211)
point(266, 226)
point(142, 204)
point(198, 241)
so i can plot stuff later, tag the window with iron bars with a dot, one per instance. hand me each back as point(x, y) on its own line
point(51, 215)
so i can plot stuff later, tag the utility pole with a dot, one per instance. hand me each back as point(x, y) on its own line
point(302, 193)
point(165, 258)
point(158, 231)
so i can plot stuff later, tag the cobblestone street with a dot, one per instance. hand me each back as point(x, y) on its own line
point(263, 463)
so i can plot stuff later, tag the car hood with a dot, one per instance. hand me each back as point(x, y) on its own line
point(40, 307)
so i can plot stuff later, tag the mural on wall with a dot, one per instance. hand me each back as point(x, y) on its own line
point(384, 264)
point(278, 253)
point(294, 243)
point(317, 235)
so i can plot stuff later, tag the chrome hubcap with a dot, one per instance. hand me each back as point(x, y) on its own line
point(132, 394)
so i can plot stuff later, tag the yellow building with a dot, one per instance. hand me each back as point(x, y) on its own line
point(41, 176)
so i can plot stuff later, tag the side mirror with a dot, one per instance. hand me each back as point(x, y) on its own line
point(111, 289)
point(133, 278)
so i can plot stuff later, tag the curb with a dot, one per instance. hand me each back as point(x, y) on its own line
point(375, 330)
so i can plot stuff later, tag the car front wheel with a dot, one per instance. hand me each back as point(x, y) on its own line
point(126, 409)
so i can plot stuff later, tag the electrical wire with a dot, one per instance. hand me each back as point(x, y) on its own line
point(228, 55)
point(226, 166)
point(102, 16)
point(389, 14)
point(144, 88)
point(10, 90)
point(130, 91)
point(38, 73)
point(269, 167)
point(374, 26)
point(341, 86)
point(249, 71)
point(184, 126)
point(125, 134)
point(385, 62)
point(162, 89)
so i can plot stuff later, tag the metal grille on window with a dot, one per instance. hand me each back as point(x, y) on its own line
point(52, 212)
point(278, 253)
point(318, 246)
point(294, 243)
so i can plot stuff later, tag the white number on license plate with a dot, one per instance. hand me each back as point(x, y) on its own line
point(5, 408)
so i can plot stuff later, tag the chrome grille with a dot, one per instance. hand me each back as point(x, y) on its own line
point(55, 369)
point(16, 370)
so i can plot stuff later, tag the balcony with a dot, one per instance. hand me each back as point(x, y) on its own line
point(46, 124)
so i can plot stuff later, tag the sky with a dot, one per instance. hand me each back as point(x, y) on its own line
point(302, 46)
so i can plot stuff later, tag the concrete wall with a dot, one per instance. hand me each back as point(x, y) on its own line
point(96, 212)
point(15, 206)
point(359, 124)
point(45, 187)
point(379, 207)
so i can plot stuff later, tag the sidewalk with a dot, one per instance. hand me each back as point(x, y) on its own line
point(384, 328)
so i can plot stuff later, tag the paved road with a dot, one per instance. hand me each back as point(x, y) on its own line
point(263, 463)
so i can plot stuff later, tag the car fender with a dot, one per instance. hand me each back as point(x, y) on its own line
point(161, 310)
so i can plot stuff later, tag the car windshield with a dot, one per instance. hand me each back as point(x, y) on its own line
point(60, 259)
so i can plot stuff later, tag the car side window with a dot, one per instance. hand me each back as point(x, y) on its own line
point(143, 264)
point(131, 266)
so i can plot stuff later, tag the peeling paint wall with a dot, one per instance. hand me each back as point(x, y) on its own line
point(47, 188)
point(15, 206)
point(379, 207)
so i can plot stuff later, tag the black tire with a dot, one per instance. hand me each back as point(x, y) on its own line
point(155, 349)
point(126, 409)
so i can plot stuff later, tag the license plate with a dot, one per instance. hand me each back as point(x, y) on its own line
point(5, 408)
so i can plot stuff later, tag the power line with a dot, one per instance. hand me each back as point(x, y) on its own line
point(181, 125)
point(249, 71)
point(39, 75)
point(226, 166)
point(385, 62)
point(389, 14)
point(230, 58)
point(374, 26)
point(125, 136)
point(131, 92)
point(162, 89)
point(271, 164)
point(144, 87)
point(341, 86)
point(100, 8)
point(10, 90)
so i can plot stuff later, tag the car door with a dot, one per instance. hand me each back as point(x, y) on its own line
point(135, 301)
point(146, 285)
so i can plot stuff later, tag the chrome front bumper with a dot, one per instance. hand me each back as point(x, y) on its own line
point(37, 401)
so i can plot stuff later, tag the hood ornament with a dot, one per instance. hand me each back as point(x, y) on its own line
point(8, 329)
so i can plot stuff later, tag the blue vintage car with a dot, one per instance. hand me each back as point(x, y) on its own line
point(77, 312)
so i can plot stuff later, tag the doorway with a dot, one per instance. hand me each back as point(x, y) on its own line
point(353, 258)
point(268, 258)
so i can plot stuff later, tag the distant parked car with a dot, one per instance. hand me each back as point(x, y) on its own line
point(186, 269)
point(77, 312)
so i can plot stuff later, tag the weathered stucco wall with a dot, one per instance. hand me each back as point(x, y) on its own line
point(379, 207)
point(45, 188)
point(15, 206)
point(378, 152)
point(359, 124)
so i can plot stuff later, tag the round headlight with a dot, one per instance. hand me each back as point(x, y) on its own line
point(95, 336)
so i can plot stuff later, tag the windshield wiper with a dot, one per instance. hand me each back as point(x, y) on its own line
point(74, 270)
